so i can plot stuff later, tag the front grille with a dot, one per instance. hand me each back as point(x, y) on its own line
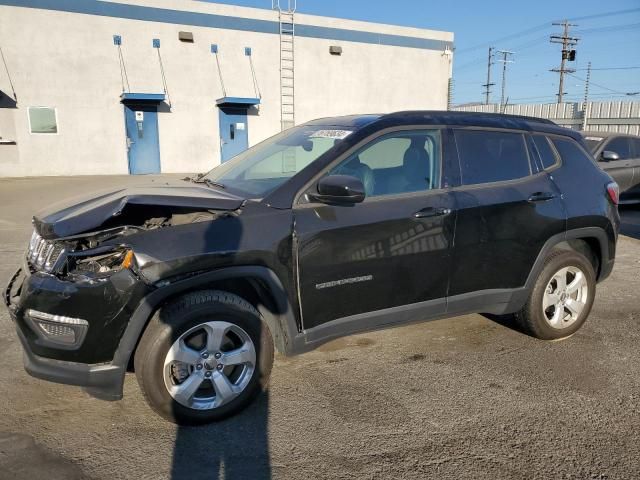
point(43, 254)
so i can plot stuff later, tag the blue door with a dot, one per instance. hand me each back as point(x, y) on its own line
point(234, 138)
point(142, 138)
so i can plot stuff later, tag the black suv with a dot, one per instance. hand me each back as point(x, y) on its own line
point(337, 226)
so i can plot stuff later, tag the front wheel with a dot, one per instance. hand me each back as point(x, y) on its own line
point(562, 297)
point(204, 357)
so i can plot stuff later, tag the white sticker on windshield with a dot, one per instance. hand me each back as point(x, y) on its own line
point(337, 134)
point(597, 139)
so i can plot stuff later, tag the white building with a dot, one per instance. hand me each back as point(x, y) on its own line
point(83, 90)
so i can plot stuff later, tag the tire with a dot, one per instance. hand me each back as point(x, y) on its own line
point(543, 323)
point(184, 330)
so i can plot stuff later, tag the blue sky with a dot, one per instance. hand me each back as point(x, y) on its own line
point(608, 41)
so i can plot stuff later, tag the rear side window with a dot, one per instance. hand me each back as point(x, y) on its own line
point(635, 144)
point(491, 156)
point(620, 145)
point(569, 150)
point(545, 151)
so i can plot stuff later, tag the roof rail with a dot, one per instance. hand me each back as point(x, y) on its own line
point(454, 113)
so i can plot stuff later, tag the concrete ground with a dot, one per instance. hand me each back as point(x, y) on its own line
point(458, 398)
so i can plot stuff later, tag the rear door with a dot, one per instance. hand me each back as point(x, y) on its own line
point(507, 208)
point(620, 170)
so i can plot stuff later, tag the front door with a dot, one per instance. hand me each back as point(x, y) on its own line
point(621, 170)
point(142, 139)
point(234, 137)
point(386, 259)
point(634, 191)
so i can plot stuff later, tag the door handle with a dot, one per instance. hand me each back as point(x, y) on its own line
point(541, 197)
point(432, 212)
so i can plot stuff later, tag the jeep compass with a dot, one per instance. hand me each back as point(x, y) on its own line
point(337, 226)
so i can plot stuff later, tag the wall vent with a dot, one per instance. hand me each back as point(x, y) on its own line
point(185, 37)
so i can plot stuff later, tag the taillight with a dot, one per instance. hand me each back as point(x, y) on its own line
point(614, 192)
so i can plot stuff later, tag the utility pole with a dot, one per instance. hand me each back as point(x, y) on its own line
point(585, 105)
point(568, 53)
point(488, 85)
point(504, 61)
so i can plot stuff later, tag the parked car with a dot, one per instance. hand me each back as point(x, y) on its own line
point(337, 226)
point(619, 156)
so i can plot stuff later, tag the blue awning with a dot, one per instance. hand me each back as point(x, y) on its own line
point(237, 102)
point(142, 97)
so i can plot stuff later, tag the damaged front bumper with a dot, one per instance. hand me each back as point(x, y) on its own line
point(91, 316)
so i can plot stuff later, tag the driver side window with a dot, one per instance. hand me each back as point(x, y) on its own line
point(396, 163)
point(621, 146)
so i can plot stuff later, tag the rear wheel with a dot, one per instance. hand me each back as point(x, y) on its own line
point(562, 297)
point(204, 357)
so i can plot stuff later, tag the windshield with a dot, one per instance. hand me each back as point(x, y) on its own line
point(264, 167)
point(593, 142)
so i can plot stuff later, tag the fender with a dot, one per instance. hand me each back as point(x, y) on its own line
point(520, 296)
point(588, 232)
point(280, 318)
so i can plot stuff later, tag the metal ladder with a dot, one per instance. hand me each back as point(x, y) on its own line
point(286, 10)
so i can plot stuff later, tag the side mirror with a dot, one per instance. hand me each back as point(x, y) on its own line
point(340, 190)
point(609, 156)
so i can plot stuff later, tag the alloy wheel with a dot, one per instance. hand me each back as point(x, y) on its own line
point(209, 365)
point(565, 296)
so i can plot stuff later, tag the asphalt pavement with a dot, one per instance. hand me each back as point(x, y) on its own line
point(457, 398)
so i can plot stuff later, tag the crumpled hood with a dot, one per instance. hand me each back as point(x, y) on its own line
point(88, 213)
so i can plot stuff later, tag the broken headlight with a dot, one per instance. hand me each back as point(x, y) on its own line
point(100, 262)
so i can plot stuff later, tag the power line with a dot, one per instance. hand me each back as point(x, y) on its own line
point(612, 28)
point(543, 26)
point(532, 43)
point(568, 52)
point(609, 68)
point(478, 61)
point(573, 97)
point(605, 14)
point(503, 39)
point(520, 47)
point(576, 96)
point(602, 86)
